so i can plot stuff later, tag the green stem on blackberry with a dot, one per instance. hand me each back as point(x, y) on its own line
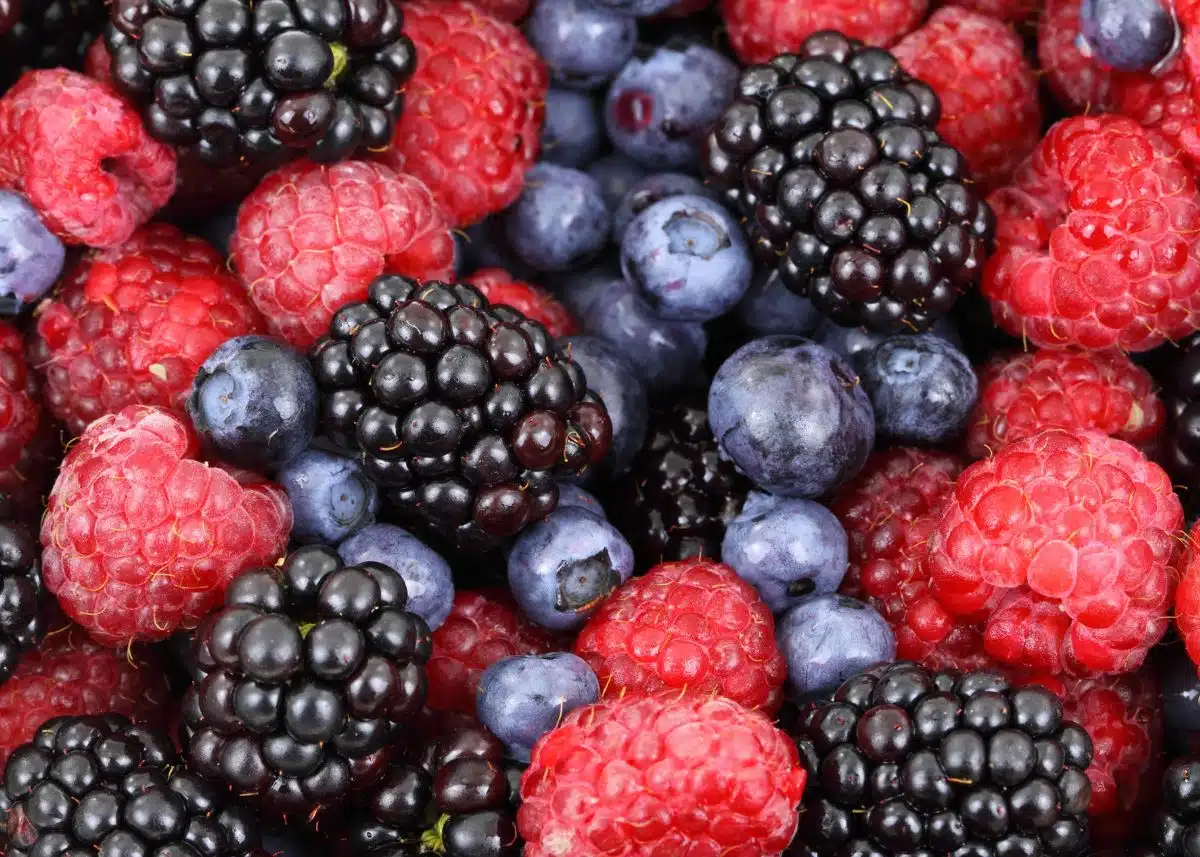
point(305, 627)
point(431, 839)
point(341, 61)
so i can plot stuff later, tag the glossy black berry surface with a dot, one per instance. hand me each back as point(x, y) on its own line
point(20, 594)
point(832, 157)
point(41, 34)
point(1180, 375)
point(1174, 831)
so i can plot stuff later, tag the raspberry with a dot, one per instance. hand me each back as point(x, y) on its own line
point(132, 325)
point(1065, 540)
point(19, 409)
point(1025, 393)
point(1097, 240)
point(482, 628)
point(203, 191)
point(140, 539)
point(760, 29)
point(511, 11)
point(82, 158)
point(989, 96)
point(473, 116)
point(25, 482)
point(499, 287)
point(644, 776)
point(69, 674)
point(312, 237)
point(1187, 599)
point(1013, 11)
point(1079, 82)
point(888, 512)
point(691, 625)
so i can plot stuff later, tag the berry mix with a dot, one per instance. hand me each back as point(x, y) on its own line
point(599, 428)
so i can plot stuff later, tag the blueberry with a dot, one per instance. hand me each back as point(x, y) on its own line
point(426, 575)
point(1181, 691)
point(332, 497)
point(854, 343)
point(1128, 35)
point(616, 174)
point(828, 638)
point(560, 220)
point(218, 230)
point(578, 290)
point(582, 43)
point(770, 307)
point(689, 257)
point(637, 8)
point(791, 415)
point(561, 568)
point(571, 495)
point(31, 258)
point(660, 107)
point(522, 698)
point(571, 134)
point(616, 381)
point(650, 190)
point(922, 388)
point(254, 402)
point(787, 549)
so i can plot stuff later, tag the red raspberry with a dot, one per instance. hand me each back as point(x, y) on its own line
point(1098, 239)
point(482, 628)
point(312, 237)
point(888, 512)
point(760, 29)
point(20, 413)
point(1187, 598)
point(25, 483)
point(140, 539)
point(989, 95)
point(132, 325)
point(1013, 11)
point(473, 111)
point(504, 10)
point(1026, 393)
point(1079, 82)
point(1065, 539)
point(691, 625)
point(499, 287)
point(97, 63)
point(80, 155)
point(668, 774)
point(70, 675)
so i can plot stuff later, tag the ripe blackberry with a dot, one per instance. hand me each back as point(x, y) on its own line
point(1181, 444)
point(832, 156)
point(1175, 827)
point(467, 413)
point(905, 760)
point(306, 678)
point(240, 81)
point(46, 34)
point(678, 495)
point(100, 785)
point(20, 593)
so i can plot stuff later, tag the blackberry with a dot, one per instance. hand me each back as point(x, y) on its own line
point(235, 80)
point(679, 493)
point(307, 678)
point(20, 593)
point(46, 34)
point(100, 785)
point(832, 157)
point(1181, 447)
point(465, 413)
point(1175, 828)
point(903, 760)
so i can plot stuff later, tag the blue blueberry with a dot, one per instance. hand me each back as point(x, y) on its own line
point(660, 107)
point(579, 290)
point(583, 44)
point(1128, 35)
point(770, 307)
point(855, 343)
point(650, 190)
point(616, 174)
point(637, 8)
point(426, 575)
point(522, 698)
point(792, 416)
point(560, 220)
point(31, 258)
point(332, 496)
point(922, 388)
point(254, 402)
point(828, 638)
point(786, 548)
point(571, 135)
point(571, 495)
point(560, 569)
point(616, 381)
point(689, 257)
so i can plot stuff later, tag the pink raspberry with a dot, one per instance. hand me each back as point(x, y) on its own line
point(1079, 82)
point(20, 413)
point(499, 287)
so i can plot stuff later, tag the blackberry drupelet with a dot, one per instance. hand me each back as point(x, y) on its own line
point(102, 786)
point(1180, 374)
point(903, 760)
point(1175, 828)
point(466, 413)
point(307, 678)
point(832, 157)
point(678, 495)
point(20, 592)
point(46, 34)
point(240, 81)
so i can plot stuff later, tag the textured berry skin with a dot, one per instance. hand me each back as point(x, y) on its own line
point(1014, 11)
point(759, 29)
point(81, 156)
point(1065, 541)
point(20, 413)
point(976, 65)
point(1079, 82)
point(642, 776)
point(1025, 393)
point(69, 674)
point(691, 625)
point(312, 237)
point(1097, 240)
point(473, 116)
point(511, 11)
point(499, 287)
point(482, 628)
point(1187, 598)
point(140, 539)
point(132, 324)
